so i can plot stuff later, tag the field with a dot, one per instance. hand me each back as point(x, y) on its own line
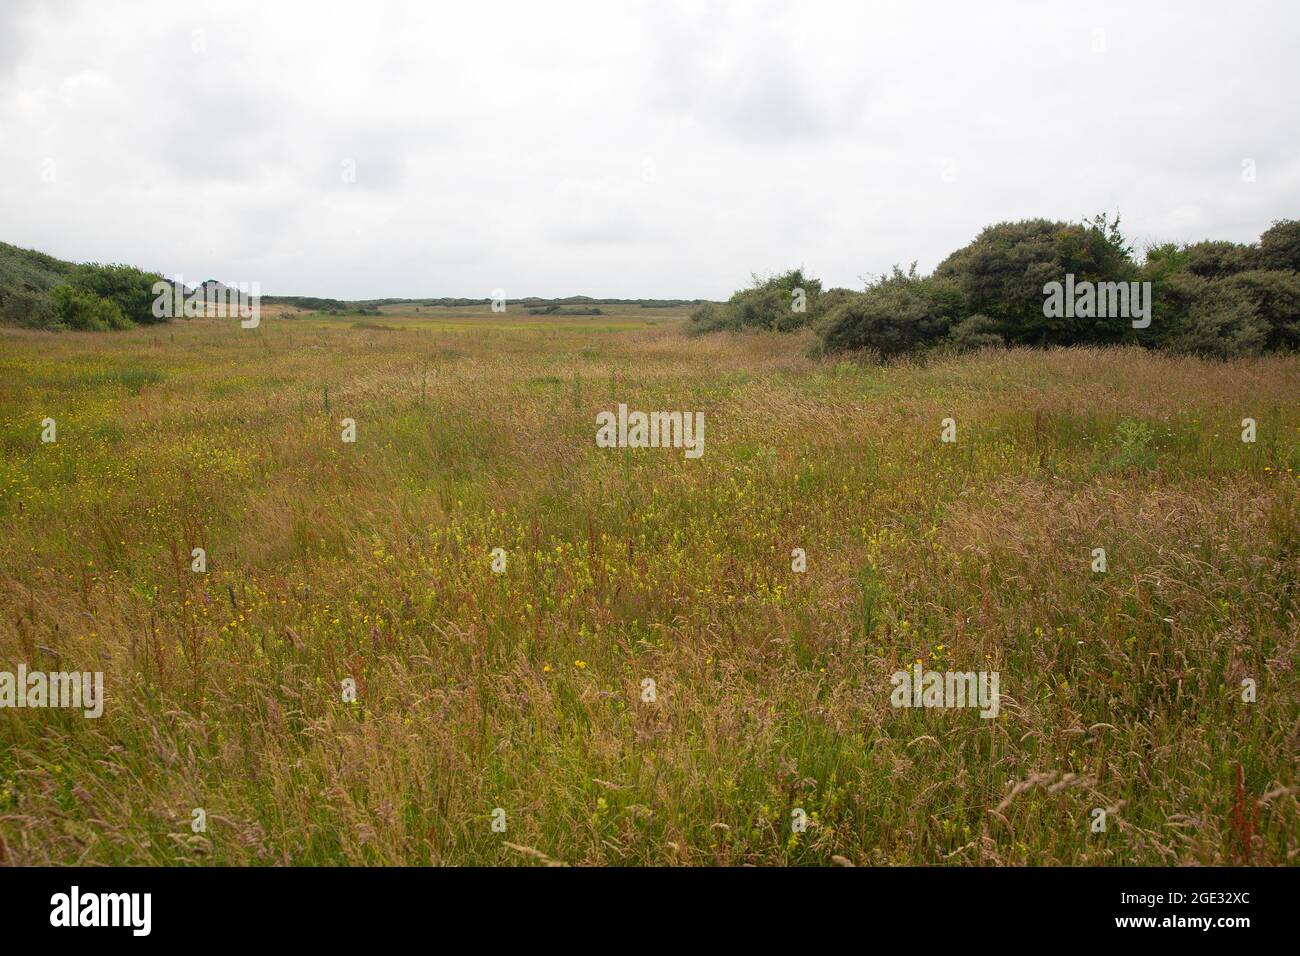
point(521, 699)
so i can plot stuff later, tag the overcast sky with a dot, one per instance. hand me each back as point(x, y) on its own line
point(627, 148)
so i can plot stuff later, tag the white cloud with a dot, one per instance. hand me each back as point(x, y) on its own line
point(626, 148)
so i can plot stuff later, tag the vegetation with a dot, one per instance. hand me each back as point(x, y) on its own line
point(524, 691)
point(562, 310)
point(39, 291)
point(780, 303)
point(1214, 299)
point(896, 314)
point(81, 309)
point(26, 278)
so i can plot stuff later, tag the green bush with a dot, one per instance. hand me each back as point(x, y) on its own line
point(1275, 294)
point(767, 304)
point(898, 313)
point(127, 287)
point(1215, 260)
point(27, 308)
point(80, 309)
point(1003, 272)
point(1279, 246)
point(975, 332)
point(1223, 321)
point(827, 303)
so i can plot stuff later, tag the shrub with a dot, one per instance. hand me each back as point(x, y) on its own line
point(1275, 294)
point(127, 287)
point(27, 308)
point(1002, 274)
point(80, 309)
point(1222, 321)
point(827, 303)
point(1163, 260)
point(767, 304)
point(1172, 297)
point(1279, 246)
point(975, 332)
point(898, 313)
point(1215, 260)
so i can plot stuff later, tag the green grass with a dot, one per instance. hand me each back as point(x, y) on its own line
point(371, 562)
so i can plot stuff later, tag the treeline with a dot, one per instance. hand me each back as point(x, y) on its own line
point(40, 291)
point(532, 301)
point(1209, 298)
point(309, 303)
point(565, 310)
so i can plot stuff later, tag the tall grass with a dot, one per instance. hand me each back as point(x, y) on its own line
point(523, 691)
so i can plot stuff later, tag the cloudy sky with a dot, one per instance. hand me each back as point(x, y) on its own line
point(627, 148)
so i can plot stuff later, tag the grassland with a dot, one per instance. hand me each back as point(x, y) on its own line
point(523, 691)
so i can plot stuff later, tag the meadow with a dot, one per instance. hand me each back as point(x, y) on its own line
point(519, 699)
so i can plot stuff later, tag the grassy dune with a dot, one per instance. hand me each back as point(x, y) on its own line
point(524, 690)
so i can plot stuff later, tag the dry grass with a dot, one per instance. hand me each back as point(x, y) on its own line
point(523, 691)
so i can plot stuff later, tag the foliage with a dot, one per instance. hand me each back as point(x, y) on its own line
point(1003, 272)
point(975, 332)
point(897, 313)
point(80, 309)
point(768, 303)
point(128, 288)
point(1279, 246)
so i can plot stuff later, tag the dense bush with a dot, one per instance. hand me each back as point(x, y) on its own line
point(1221, 322)
point(79, 309)
point(1279, 246)
point(128, 288)
point(975, 332)
point(767, 304)
point(1214, 260)
point(26, 278)
point(26, 308)
point(1002, 274)
point(898, 313)
point(827, 305)
point(1275, 297)
point(1210, 298)
point(1243, 313)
